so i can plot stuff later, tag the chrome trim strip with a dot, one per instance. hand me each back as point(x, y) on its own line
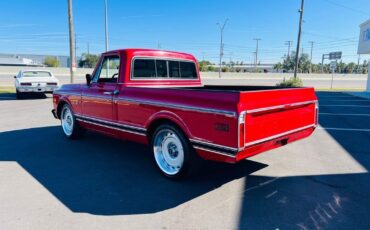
point(278, 135)
point(214, 145)
point(108, 98)
point(213, 151)
point(111, 123)
point(110, 127)
point(67, 93)
point(182, 107)
point(279, 106)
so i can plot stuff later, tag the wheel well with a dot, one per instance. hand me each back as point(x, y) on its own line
point(59, 108)
point(156, 123)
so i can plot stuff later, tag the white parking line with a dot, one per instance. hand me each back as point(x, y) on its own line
point(343, 129)
point(344, 114)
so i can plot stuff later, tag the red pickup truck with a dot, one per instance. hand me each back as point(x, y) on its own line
point(157, 98)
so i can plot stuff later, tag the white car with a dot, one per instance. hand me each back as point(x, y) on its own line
point(35, 81)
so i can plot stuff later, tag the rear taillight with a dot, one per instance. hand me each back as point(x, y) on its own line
point(241, 127)
point(26, 84)
point(52, 83)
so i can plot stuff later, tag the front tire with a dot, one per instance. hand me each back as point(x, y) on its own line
point(70, 126)
point(173, 154)
point(19, 95)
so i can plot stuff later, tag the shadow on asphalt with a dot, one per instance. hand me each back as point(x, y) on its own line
point(27, 96)
point(104, 176)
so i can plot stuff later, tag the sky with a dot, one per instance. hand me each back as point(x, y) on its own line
point(41, 27)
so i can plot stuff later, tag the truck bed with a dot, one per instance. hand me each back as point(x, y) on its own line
point(237, 88)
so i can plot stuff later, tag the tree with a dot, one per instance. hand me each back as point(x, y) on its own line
point(203, 65)
point(278, 66)
point(51, 62)
point(88, 60)
point(350, 67)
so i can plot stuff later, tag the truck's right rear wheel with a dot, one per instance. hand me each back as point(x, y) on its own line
point(173, 154)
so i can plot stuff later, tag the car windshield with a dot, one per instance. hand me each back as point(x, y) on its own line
point(36, 74)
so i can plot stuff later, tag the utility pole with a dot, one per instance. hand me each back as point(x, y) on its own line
point(76, 47)
point(221, 45)
point(311, 42)
point(231, 58)
point(72, 63)
point(254, 58)
point(106, 25)
point(257, 40)
point(288, 43)
point(299, 38)
point(88, 48)
point(358, 63)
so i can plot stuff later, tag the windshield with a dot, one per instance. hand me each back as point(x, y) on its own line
point(36, 74)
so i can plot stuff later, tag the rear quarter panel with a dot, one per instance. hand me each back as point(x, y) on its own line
point(196, 112)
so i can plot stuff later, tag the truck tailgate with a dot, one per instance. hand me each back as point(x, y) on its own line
point(275, 113)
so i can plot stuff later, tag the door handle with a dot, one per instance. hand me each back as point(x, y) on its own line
point(115, 92)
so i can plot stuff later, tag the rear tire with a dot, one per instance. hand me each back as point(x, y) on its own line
point(173, 154)
point(70, 126)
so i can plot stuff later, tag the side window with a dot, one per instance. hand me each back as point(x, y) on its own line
point(144, 68)
point(188, 70)
point(109, 70)
point(174, 69)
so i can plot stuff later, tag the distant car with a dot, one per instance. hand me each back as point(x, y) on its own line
point(35, 81)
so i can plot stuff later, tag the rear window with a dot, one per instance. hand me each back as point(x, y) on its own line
point(161, 68)
point(188, 70)
point(36, 74)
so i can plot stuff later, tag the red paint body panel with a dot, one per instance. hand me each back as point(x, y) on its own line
point(223, 125)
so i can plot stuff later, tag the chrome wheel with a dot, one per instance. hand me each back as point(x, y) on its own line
point(67, 120)
point(168, 151)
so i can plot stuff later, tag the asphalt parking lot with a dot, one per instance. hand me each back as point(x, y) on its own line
point(49, 182)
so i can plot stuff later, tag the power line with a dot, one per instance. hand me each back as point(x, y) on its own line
point(348, 8)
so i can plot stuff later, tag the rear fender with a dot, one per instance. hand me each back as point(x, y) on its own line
point(171, 116)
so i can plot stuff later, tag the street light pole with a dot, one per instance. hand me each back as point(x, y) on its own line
point(288, 43)
point(72, 64)
point(299, 38)
point(221, 45)
point(257, 40)
point(312, 42)
point(106, 25)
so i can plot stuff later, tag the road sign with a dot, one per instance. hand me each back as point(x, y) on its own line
point(335, 55)
point(333, 65)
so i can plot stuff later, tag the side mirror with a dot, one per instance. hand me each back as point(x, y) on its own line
point(88, 79)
